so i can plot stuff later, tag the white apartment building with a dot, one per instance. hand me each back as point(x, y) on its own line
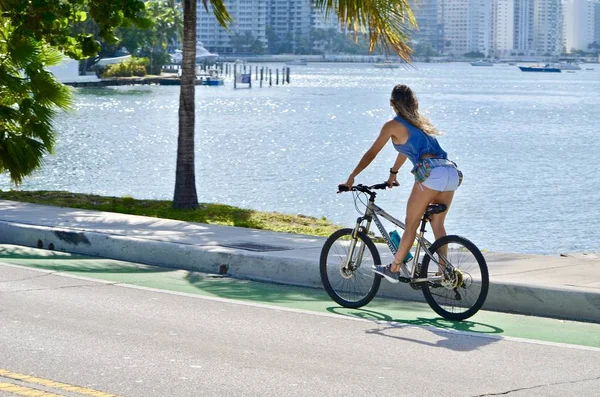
point(290, 19)
point(548, 27)
point(467, 25)
point(523, 25)
point(503, 28)
point(597, 17)
point(248, 16)
point(325, 22)
point(431, 29)
point(579, 24)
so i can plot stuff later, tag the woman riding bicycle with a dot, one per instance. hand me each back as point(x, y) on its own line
point(436, 178)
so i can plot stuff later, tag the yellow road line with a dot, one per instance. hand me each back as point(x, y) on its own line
point(53, 384)
point(25, 391)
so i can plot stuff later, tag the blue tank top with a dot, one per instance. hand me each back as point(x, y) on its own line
point(418, 143)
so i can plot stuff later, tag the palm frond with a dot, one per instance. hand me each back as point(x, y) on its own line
point(48, 91)
point(384, 22)
point(20, 155)
point(8, 113)
point(5, 5)
point(51, 56)
point(219, 10)
point(23, 51)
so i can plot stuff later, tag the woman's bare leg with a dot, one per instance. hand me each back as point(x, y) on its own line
point(419, 199)
point(437, 222)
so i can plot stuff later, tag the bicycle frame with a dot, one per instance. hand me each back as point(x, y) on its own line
point(372, 214)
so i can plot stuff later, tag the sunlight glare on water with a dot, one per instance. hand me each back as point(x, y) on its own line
point(525, 142)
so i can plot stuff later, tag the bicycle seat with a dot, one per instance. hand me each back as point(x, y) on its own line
point(435, 209)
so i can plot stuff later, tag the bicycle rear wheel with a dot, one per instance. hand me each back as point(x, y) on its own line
point(350, 282)
point(463, 294)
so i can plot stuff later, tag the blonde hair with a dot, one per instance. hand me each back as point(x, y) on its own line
point(406, 106)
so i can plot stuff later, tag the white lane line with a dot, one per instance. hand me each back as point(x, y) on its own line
point(313, 313)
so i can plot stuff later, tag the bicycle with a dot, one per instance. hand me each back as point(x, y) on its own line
point(455, 287)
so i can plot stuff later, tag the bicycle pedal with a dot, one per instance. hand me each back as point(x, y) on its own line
point(404, 279)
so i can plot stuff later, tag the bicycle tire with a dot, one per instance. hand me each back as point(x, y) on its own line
point(332, 264)
point(473, 282)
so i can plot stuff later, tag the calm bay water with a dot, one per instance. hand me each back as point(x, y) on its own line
point(526, 143)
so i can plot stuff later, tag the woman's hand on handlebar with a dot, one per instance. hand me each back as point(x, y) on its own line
point(391, 182)
point(348, 184)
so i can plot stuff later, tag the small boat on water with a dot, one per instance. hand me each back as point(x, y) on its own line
point(386, 65)
point(568, 66)
point(544, 69)
point(210, 77)
point(481, 62)
point(300, 62)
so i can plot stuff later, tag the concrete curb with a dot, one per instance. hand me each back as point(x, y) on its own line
point(572, 304)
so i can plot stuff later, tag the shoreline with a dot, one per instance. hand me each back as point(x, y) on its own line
point(311, 226)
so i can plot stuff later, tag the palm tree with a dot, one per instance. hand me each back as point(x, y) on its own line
point(29, 98)
point(386, 22)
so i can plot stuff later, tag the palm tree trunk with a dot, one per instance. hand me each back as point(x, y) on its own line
point(185, 196)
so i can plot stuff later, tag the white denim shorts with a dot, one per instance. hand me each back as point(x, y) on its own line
point(442, 179)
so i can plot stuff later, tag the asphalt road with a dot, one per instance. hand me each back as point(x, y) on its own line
point(82, 337)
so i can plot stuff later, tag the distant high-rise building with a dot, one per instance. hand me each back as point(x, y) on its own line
point(547, 27)
point(503, 27)
point(579, 24)
point(249, 17)
point(431, 28)
point(597, 22)
point(467, 26)
point(325, 22)
point(523, 25)
point(290, 21)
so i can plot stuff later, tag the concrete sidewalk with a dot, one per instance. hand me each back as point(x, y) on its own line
point(554, 286)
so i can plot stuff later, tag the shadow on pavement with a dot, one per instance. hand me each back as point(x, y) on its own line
point(232, 288)
point(439, 326)
point(66, 262)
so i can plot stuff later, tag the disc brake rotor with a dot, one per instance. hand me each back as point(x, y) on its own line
point(456, 280)
point(346, 272)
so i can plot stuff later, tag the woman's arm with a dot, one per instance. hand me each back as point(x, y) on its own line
point(394, 170)
point(398, 163)
point(369, 156)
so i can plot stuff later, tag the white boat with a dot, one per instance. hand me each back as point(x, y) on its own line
point(301, 62)
point(568, 66)
point(202, 55)
point(481, 62)
point(387, 65)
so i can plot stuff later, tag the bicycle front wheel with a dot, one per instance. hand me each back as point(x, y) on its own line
point(461, 295)
point(346, 268)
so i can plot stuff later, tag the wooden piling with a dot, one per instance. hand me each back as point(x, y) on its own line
point(234, 76)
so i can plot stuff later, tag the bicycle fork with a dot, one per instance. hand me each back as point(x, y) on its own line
point(355, 231)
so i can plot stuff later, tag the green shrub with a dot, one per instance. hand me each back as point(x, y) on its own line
point(128, 68)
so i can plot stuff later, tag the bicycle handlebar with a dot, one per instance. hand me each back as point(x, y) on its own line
point(366, 189)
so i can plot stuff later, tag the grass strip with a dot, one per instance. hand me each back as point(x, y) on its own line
point(215, 214)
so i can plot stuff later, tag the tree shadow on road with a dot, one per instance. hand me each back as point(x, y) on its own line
point(66, 262)
point(256, 291)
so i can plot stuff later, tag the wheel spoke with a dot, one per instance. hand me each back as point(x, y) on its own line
point(461, 295)
point(353, 285)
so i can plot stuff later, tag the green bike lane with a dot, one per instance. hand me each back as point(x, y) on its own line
point(484, 323)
